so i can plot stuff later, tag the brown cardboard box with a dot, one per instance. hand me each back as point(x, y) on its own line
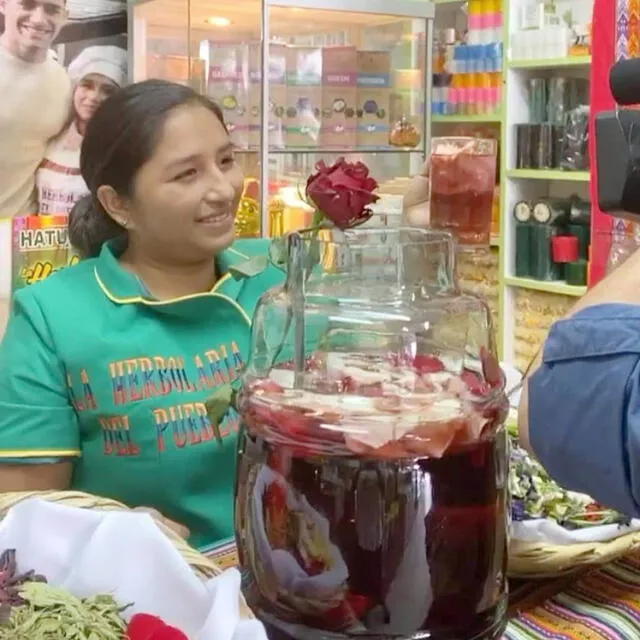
point(304, 96)
point(277, 94)
point(339, 95)
point(373, 98)
point(228, 85)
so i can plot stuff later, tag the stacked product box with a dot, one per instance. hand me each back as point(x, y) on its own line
point(277, 94)
point(303, 96)
point(339, 95)
point(228, 85)
point(373, 98)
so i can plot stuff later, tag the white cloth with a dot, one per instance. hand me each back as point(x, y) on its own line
point(34, 105)
point(548, 531)
point(126, 555)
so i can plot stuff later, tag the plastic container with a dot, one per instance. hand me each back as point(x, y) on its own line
point(463, 177)
point(371, 491)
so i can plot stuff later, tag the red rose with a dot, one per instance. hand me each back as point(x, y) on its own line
point(147, 627)
point(343, 192)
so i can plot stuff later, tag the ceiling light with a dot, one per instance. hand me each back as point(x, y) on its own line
point(218, 21)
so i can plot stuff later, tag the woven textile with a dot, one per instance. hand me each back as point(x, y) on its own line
point(603, 605)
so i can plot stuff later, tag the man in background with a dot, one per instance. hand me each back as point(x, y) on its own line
point(34, 96)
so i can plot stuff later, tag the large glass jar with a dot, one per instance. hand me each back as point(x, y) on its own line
point(371, 489)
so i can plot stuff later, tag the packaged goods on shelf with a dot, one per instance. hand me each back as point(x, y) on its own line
point(552, 238)
point(373, 98)
point(228, 85)
point(574, 155)
point(468, 72)
point(304, 96)
point(277, 94)
point(551, 30)
point(339, 97)
point(471, 83)
point(556, 135)
point(485, 21)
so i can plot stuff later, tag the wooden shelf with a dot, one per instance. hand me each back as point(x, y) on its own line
point(549, 174)
point(470, 119)
point(558, 287)
point(550, 63)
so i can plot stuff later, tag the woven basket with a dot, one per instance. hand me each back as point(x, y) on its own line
point(202, 566)
point(539, 560)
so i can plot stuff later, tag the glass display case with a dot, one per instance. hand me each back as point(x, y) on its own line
point(342, 79)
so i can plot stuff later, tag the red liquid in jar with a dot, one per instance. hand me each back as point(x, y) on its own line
point(462, 191)
point(416, 546)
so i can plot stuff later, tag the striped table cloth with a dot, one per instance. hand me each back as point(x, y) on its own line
point(603, 604)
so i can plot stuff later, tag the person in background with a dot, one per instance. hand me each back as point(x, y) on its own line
point(106, 366)
point(35, 92)
point(580, 407)
point(96, 73)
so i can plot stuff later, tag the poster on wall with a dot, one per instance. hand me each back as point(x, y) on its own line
point(59, 60)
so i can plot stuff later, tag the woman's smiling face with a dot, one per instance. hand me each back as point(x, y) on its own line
point(90, 93)
point(186, 195)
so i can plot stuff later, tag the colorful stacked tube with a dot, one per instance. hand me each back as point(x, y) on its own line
point(468, 75)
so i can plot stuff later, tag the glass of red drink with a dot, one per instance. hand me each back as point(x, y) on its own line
point(463, 177)
point(371, 483)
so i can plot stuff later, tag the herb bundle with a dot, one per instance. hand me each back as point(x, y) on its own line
point(11, 583)
point(31, 609)
point(50, 613)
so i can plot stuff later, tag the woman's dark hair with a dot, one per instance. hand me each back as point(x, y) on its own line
point(119, 140)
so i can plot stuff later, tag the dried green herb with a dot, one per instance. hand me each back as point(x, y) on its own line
point(11, 583)
point(50, 613)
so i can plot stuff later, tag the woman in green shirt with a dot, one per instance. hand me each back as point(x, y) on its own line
point(105, 367)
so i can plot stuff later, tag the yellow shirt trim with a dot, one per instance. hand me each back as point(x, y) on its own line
point(40, 453)
point(160, 303)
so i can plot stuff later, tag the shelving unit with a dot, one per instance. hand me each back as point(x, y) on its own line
point(551, 63)
point(560, 287)
point(493, 118)
point(548, 174)
point(529, 306)
point(299, 81)
point(480, 275)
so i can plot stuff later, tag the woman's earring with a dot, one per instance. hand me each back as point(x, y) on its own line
point(123, 223)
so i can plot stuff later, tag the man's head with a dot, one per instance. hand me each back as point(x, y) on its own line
point(30, 26)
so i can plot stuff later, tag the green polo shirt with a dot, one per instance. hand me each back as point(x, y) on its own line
point(93, 370)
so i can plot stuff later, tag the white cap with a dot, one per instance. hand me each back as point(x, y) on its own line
point(108, 61)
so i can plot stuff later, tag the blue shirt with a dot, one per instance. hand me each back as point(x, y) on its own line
point(584, 405)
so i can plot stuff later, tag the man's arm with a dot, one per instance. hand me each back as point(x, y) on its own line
point(580, 409)
point(622, 286)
